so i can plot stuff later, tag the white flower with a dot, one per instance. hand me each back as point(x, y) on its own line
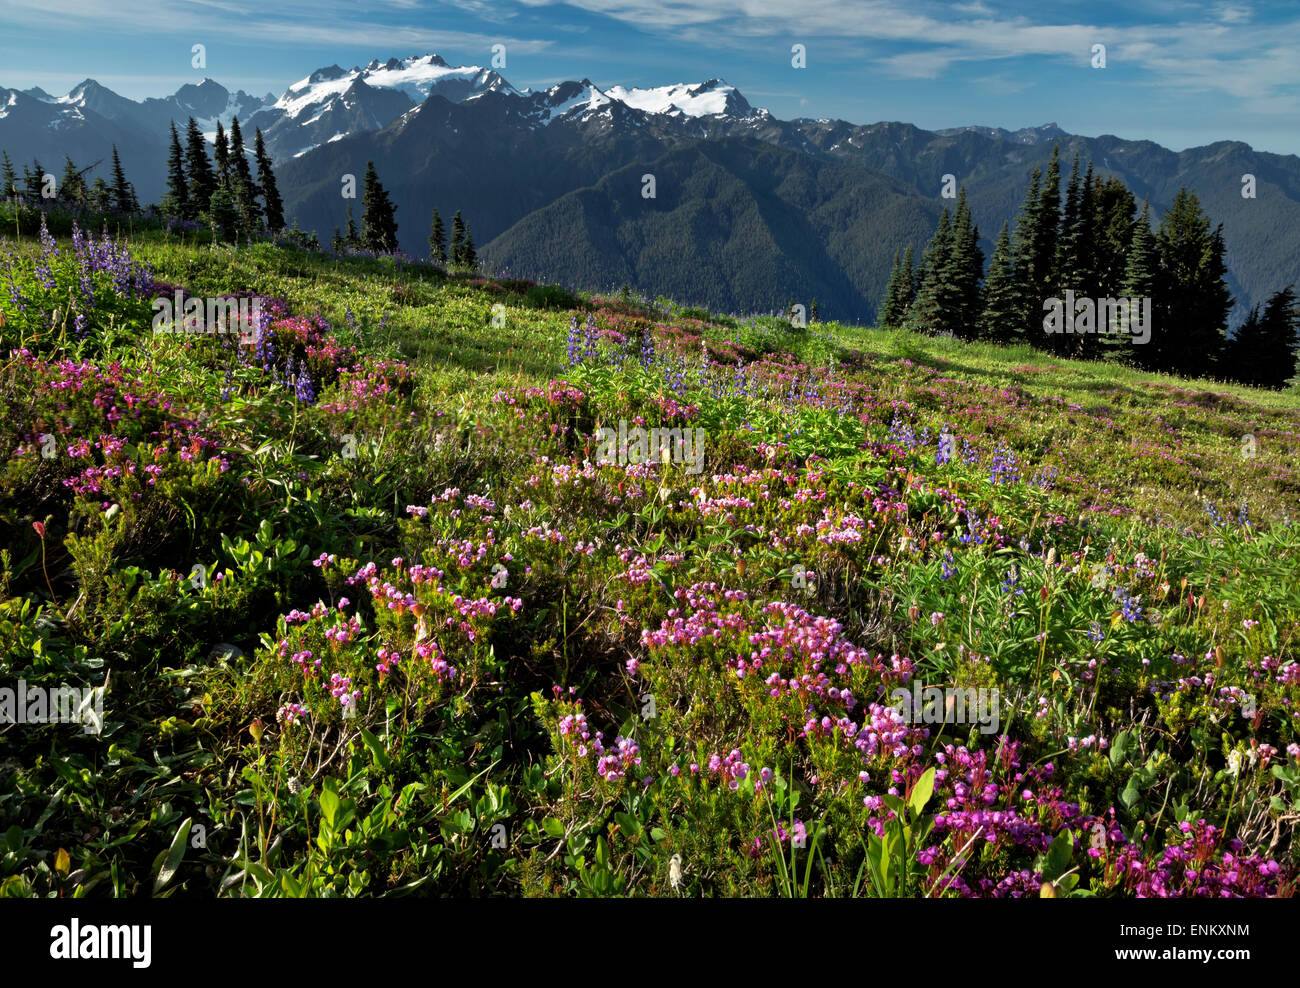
point(1234, 763)
point(675, 871)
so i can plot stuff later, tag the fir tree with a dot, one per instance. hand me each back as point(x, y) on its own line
point(893, 309)
point(221, 156)
point(1192, 301)
point(72, 186)
point(1139, 282)
point(177, 201)
point(1002, 317)
point(1046, 231)
point(8, 178)
point(378, 224)
point(1023, 260)
point(242, 183)
point(352, 239)
point(124, 200)
point(470, 254)
point(100, 197)
point(437, 240)
point(457, 241)
point(1113, 222)
point(34, 179)
point(336, 242)
point(273, 206)
point(936, 308)
point(222, 213)
point(964, 270)
point(200, 181)
point(1263, 351)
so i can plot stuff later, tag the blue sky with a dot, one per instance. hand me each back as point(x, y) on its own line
point(1179, 73)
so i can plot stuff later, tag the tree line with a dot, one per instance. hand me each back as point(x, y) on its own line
point(378, 232)
point(1099, 249)
point(72, 188)
point(222, 188)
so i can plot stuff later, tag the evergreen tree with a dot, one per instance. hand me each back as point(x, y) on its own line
point(177, 201)
point(378, 224)
point(893, 309)
point(352, 239)
point(937, 308)
point(964, 270)
point(223, 214)
point(911, 278)
point(221, 156)
point(1191, 304)
point(1140, 273)
point(242, 183)
point(1046, 232)
point(272, 204)
point(100, 197)
point(8, 178)
point(200, 181)
point(336, 242)
point(72, 186)
point(1031, 315)
point(1002, 317)
point(1113, 223)
point(457, 241)
point(1263, 351)
point(34, 179)
point(470, 254)
point(124, 200)
point(437, 240)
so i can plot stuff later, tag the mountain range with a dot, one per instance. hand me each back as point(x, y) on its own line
point(749, 212)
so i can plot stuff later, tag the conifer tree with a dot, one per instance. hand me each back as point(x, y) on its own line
point(176, 202)
point(936, 307)
point(336, 242)
point(34, 179)
point(378, 224)
point(200, 182)
point(1140, 282)
point(72, 186)
point(457, 241)
point(892, 308)
point(1030, 326)
point(8, 178)
point(242, 184)
point(437, 240)
point(1192, 301)
point(470, 254)
point(272, 205)
point(124, 200)
point(1263, 351)
point(964, 270)
point(221, 156)
point(1002, 317)
point(100, 197)
point(353, 240)
point(222, 212)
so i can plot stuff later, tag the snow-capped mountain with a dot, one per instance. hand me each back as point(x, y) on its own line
point(334, 102)
point(705, 99)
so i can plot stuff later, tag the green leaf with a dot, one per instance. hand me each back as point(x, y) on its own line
point(382, 758)
point(1130, 795)
point(922, 791)
point(329, 802)
point(1119, 748)
point(553, 827)
point(1057, 859)
point(174, 855)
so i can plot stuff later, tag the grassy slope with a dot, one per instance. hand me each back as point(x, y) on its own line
point(442, 761)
